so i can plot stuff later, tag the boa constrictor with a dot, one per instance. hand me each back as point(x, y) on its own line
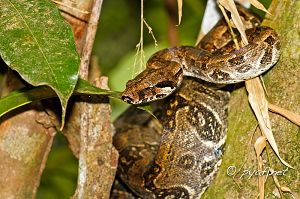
point(178, 155)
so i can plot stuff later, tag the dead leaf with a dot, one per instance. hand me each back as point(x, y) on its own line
point(276, 182)
point(179, 5)
point(285, 189)
point(275, 179)
point(288, 190)
point(259, 6)
point(260, 144)
point(259, 105)
point(230, 6)
point(293, 117)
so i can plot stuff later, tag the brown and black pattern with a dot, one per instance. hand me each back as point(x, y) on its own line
point(178, 154)
point(163, 173)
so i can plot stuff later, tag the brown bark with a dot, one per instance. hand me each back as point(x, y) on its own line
point(26, 137)
point(24, 147)
point(98, 157)
point(89, 130)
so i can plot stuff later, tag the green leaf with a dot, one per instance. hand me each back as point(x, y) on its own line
point(148, 109)
point(25, 96)
point(85, 87)
point(37, 43)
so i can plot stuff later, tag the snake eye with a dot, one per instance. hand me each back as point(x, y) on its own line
point(165, 84)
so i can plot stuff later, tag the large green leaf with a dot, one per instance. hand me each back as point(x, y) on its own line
point(25, 96)
point(37, 43)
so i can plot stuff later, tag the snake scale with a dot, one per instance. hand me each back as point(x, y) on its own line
point(178, 155)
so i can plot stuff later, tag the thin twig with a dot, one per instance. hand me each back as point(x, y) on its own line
point(150, 32)
point(89, 39)
point(140, 54)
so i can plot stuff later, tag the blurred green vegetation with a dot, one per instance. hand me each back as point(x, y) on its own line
point(117, 36)
point(119, 33)
point(60, 175)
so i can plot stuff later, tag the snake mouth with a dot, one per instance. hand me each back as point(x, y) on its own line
point(128, 99)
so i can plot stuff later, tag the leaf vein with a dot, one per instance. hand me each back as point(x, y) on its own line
point(35, 39)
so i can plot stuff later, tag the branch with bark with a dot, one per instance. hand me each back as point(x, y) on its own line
point(26, 135)
point(234, 179)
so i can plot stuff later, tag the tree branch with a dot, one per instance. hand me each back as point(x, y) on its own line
point(26, 137)
point(282, 84)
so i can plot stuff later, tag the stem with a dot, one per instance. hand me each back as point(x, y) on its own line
point(142, 25)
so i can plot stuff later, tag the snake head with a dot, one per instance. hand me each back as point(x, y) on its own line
point(153, 83)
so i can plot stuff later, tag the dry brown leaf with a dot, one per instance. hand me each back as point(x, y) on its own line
point(276, 182)
point(293, 117)
point(230, 6)
point(179, 5)
point(275, 179)
point(260, 144)
point(230, 25)
point(259, 105)
point(261, 179)
point(259, 6)
point(285, 189)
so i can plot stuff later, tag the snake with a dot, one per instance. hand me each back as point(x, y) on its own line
point(177, 153)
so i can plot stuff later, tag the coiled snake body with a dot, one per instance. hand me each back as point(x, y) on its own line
point(178, 155)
